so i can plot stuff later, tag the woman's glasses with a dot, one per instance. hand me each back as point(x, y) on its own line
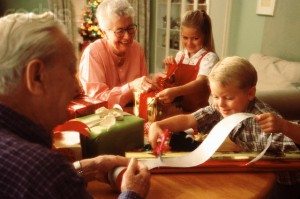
point(120, 32)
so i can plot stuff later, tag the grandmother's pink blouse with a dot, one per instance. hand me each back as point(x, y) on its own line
point(103, 79)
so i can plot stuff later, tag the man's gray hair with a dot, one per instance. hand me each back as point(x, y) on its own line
point(110, 9)
point(24, 37)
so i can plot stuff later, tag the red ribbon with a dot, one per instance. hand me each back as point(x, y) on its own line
point(163, 146)
point(73, 125)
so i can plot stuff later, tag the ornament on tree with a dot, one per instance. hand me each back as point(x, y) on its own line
point(89, 29)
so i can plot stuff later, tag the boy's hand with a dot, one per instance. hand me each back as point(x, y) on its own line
point(154, 133)
point(270, 123)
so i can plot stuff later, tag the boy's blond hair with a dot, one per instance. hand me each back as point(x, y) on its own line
point(234, 70)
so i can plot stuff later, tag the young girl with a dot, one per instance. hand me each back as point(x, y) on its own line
point(192, 64)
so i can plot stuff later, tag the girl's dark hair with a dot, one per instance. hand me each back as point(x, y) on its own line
point(201, 21)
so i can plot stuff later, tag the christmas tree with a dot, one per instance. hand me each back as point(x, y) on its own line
point(89, 29)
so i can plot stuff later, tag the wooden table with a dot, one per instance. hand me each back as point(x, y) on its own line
point(199, 185)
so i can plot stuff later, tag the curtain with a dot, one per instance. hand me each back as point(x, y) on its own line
point(64, 11)
point(142, 19)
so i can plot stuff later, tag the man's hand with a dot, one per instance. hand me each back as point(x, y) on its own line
point(136, 178)
point(97, 168)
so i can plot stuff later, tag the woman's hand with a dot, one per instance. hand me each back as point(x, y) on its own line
point(136, 178)
point(144, 83)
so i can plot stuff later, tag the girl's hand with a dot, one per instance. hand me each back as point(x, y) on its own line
point(154, 133)
point(167, 95)
point(169, 60)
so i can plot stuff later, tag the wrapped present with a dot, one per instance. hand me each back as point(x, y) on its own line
point(84, 106)
point(148, 107)
point(112, 132)
point(68, 143)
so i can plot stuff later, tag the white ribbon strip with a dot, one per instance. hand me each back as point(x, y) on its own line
point(207, 148)
point(269, 141)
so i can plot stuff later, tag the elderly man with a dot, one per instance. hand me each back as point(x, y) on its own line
point(37, 82)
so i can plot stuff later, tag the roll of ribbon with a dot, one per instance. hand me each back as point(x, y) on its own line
point(115, 178)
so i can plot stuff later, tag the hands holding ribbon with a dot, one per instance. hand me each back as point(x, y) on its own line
point(136, 177)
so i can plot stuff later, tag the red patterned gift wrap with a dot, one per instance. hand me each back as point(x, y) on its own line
point(147, 105)
point(84, 106)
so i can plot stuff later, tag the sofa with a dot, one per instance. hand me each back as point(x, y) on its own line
point(278, 84)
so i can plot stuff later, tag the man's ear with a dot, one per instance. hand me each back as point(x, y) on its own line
point(34, 76)
point(252, 93)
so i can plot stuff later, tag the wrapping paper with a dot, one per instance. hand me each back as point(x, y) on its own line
point(84, 106)
point(207, 148)
point(148, 107)
point(227, 162)
point(123, 135)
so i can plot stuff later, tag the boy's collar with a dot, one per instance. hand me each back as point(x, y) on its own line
point(250, 105)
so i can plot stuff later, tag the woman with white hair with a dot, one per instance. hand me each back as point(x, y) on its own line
point(113, 67)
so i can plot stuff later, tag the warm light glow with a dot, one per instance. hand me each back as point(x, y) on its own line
point(70, 138)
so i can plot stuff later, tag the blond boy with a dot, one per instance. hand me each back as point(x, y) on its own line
point(233, 85)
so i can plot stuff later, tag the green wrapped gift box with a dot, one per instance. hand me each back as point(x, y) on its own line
point(124, 135)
